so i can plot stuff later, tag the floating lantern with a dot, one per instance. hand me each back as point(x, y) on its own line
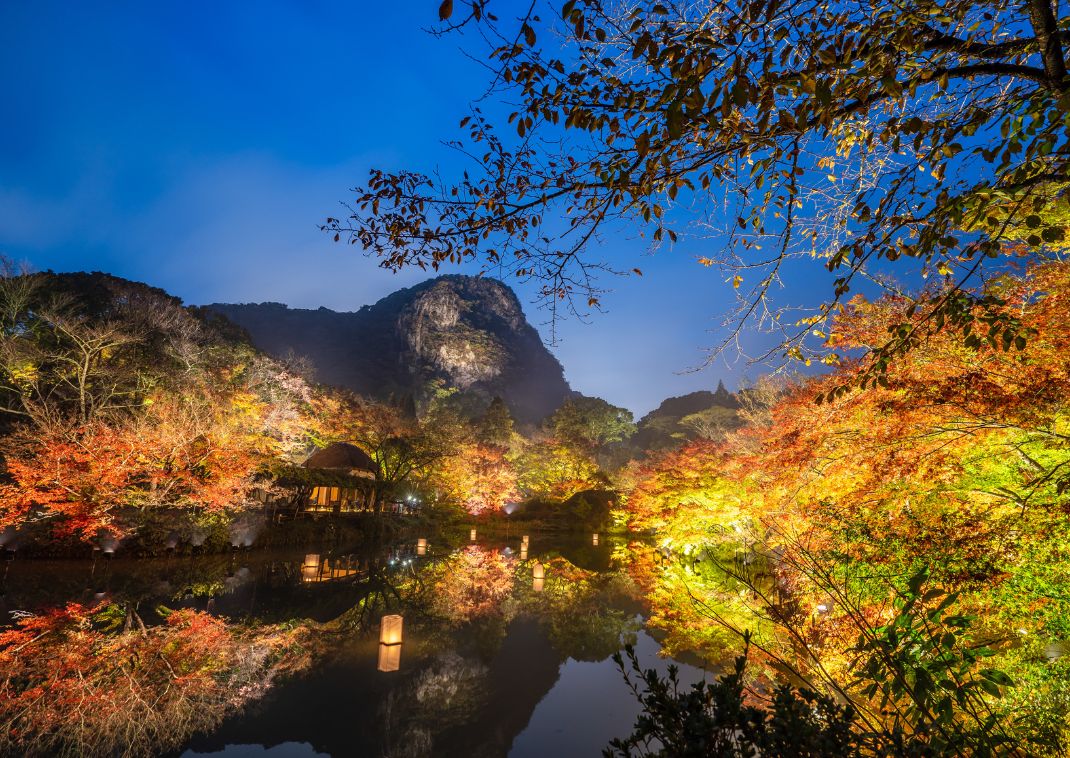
point(538, 571)
point(389, 657)
point(390, 630)
point(523, 552)
point(421, 546)
point(472, 535)
point(594, 539)
point(310, 568)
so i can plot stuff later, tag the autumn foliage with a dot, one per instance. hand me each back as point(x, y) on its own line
point(68, 686)
point(955, 463)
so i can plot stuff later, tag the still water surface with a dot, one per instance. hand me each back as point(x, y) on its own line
point(493, 661)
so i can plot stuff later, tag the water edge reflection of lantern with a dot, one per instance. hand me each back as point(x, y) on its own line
point(523, 552)
point(524, 540)
point(421, 546)
point(538, 574)
point(390, 642)
point(594, 539)
point(310, 569)
point(472, 535)
point(389, 657)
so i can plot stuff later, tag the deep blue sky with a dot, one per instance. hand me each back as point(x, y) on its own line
point(196, 147)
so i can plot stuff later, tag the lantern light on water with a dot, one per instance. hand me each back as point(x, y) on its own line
point(390, 630)
point(390, 643)
point(523, 552)
point(524, 540)
point(421, 546)
point(537, 584)
point(472, 535)
point(389, 657)
point(594, 539)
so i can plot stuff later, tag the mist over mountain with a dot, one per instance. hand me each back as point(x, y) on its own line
point(466, 332)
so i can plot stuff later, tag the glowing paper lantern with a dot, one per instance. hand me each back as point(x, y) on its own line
point(594, 539)
point(537, 584)
point(538, 571)
point(389, 657)
point(523, 552)
point(421, 546)
point(524, 540)
point(390, 630)
point(472, 535)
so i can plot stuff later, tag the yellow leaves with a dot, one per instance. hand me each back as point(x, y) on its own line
point(736, 281)
point(25, 373)
point(707, 262)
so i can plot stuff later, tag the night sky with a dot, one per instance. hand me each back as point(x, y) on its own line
point(196, 147)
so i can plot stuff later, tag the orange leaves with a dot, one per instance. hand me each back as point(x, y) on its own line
point(474, 585)
point(927, 465)
point(67, 686)
point(477, 476)
point(91, 477)
point(83, 475)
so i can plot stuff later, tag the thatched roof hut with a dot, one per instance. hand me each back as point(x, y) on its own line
point(344, 457)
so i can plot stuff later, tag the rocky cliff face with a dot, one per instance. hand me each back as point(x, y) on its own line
point(468, 332)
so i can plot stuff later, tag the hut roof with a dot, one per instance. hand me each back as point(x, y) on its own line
point(343, 456)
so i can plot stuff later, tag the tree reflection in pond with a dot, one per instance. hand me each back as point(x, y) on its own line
point(481, 648)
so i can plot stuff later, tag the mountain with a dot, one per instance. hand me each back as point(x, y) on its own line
point(677, 419)
point(468, 332)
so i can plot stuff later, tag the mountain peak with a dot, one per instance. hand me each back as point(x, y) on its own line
point(464, 331)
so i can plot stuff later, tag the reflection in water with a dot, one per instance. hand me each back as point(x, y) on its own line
point(594, 539)
point(483, 647)
point(389, 657)
point(538, 577)
point(472, 536)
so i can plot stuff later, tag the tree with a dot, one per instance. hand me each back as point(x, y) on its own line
point(476, 476)
point(588, 423)
point(549, 469)
point(495, 427)
point(850, 134)
point(71, 686)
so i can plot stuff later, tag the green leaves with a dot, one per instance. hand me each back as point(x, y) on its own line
point(925, 664)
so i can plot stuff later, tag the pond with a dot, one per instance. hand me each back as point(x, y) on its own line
point(498, 647)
